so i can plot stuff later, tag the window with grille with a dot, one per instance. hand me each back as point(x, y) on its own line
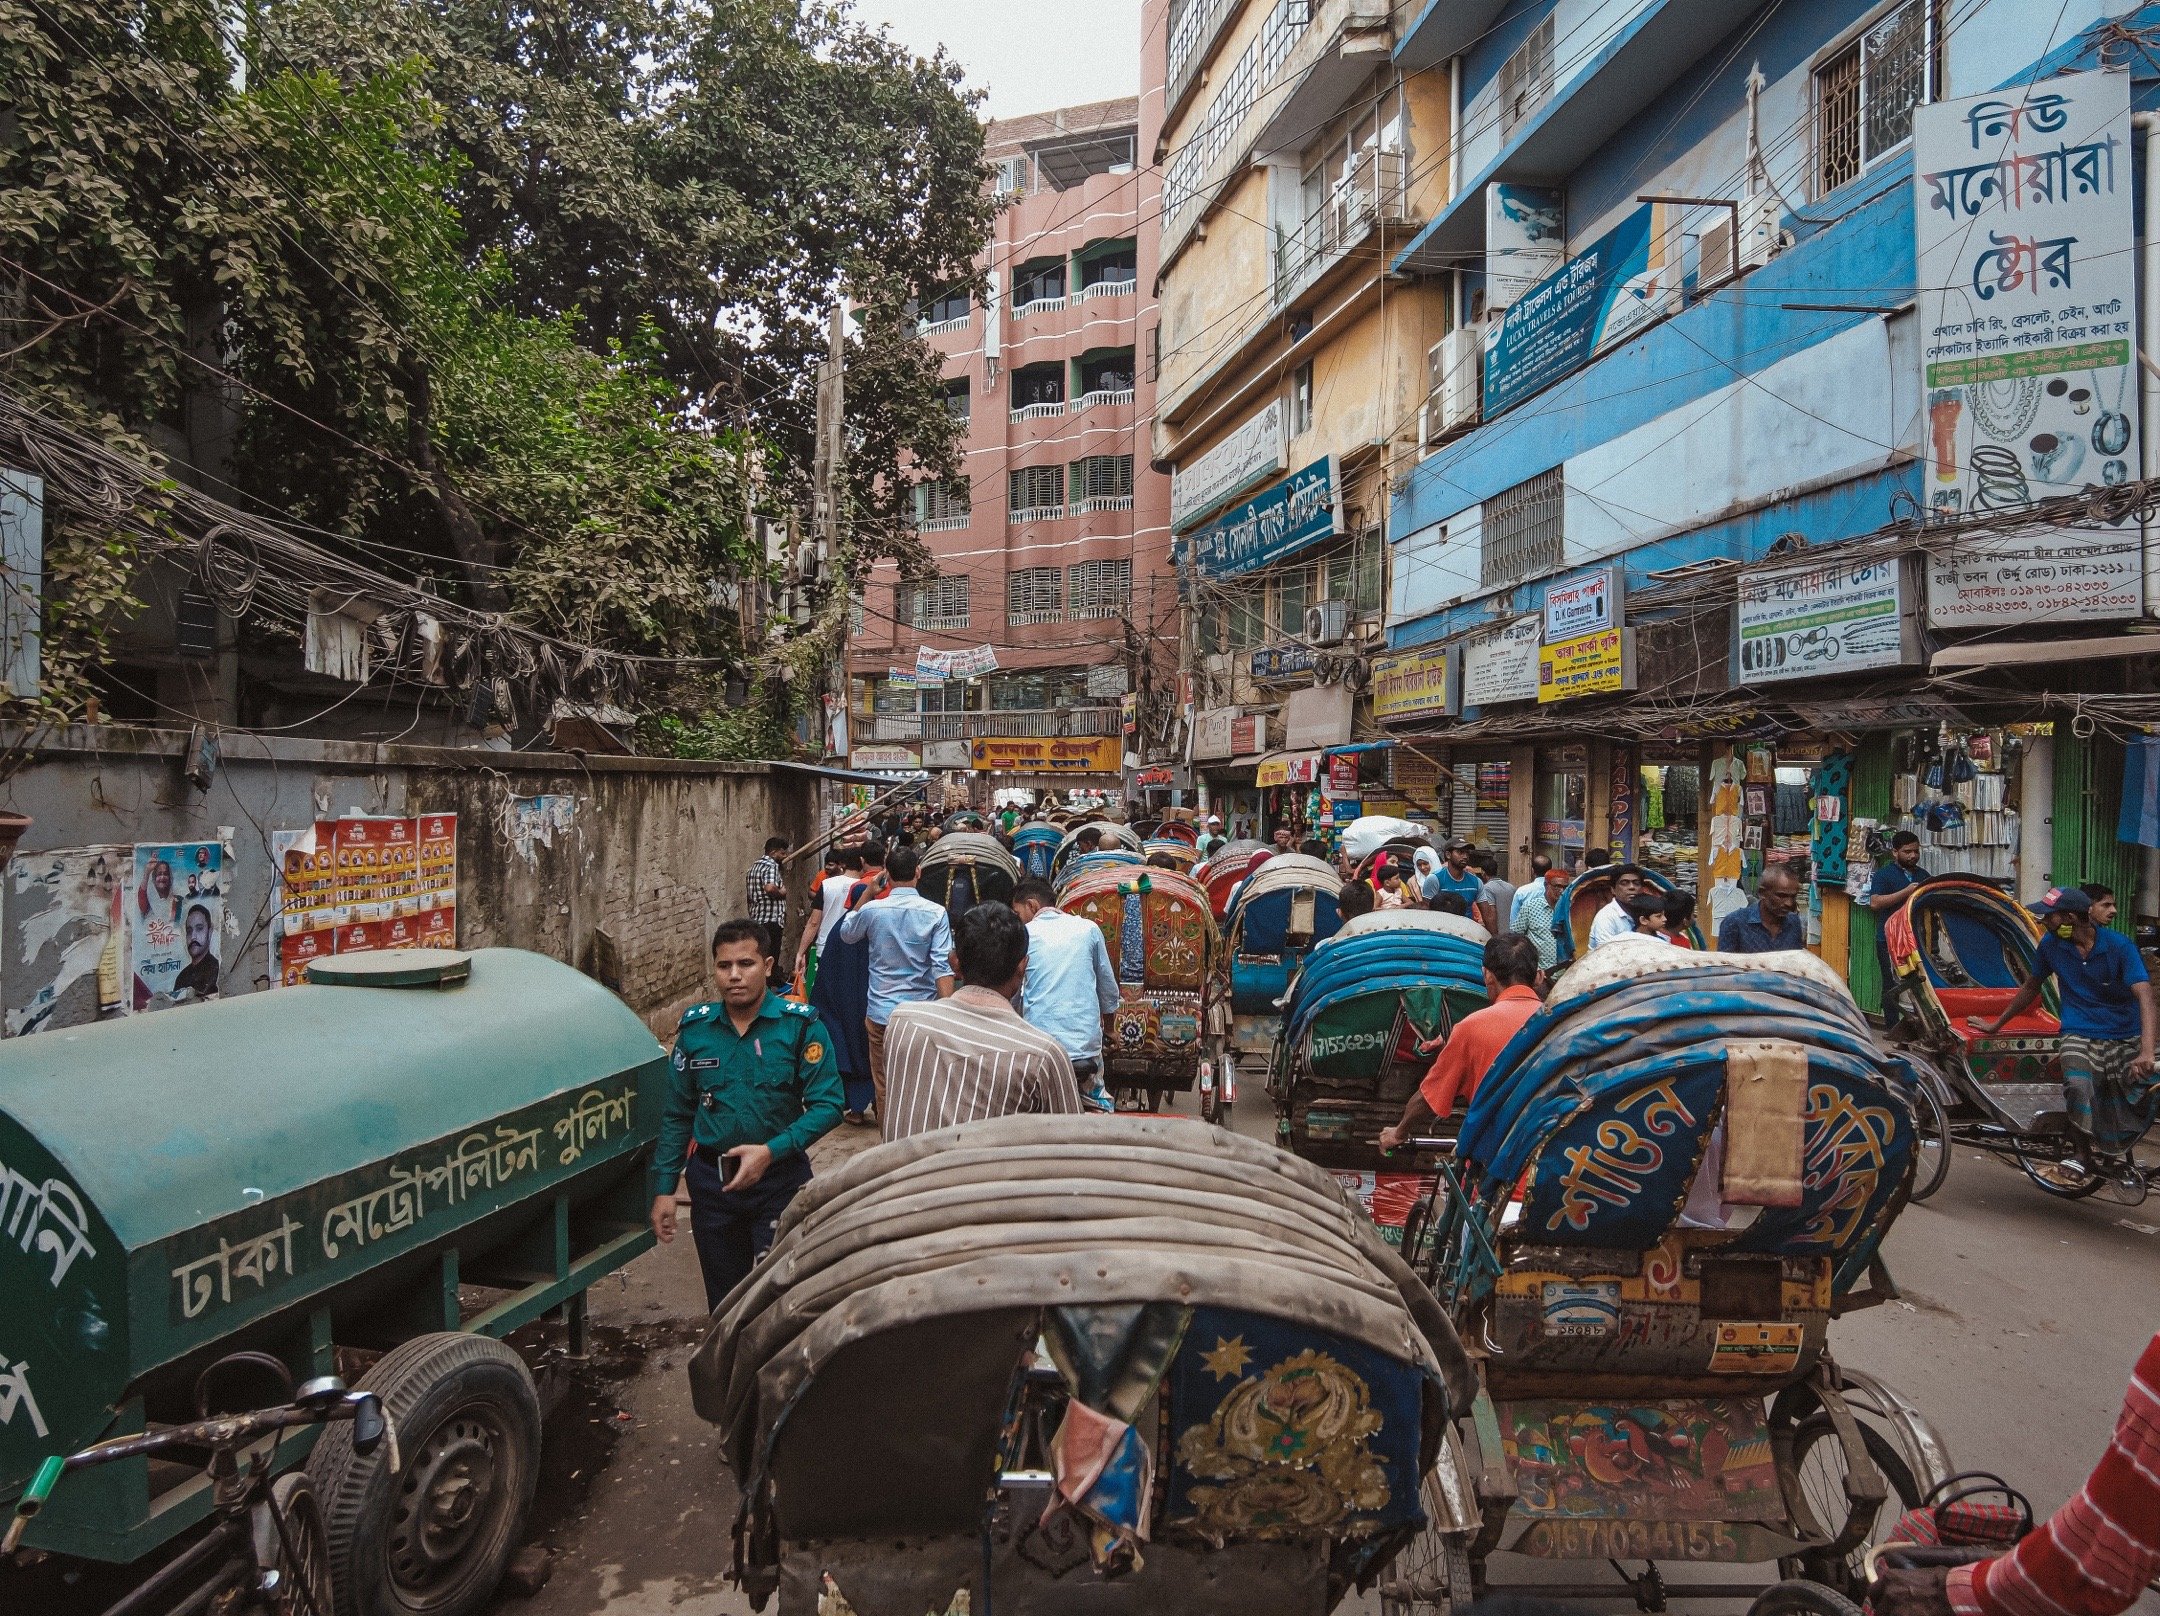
point(1034, 594)
point(1526, 78)
point(956, 399)
point(855, 612)
point(1100, 588)
point(1098, 477)
point(941, 501)
point(1354, 574)
point(890, 696)
point(1035, 488)
point(1522, 530)
point(935, 603)
point(1865, 94)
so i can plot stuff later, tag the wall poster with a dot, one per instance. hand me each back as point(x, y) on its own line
point(175, 908)
point(355, 885)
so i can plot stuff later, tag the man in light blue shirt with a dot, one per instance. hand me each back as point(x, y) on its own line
point(1070, 991)
point(910, 955)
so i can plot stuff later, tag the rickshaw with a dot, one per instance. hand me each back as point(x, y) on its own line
point(1111, 835)
point(1590, 892)
point(1357, 1030)
point(1223, 869)
point(1044, 1365)
point(1035, 845)
point(1116, 858)
point(1962, 948)
point(1181, 853)
point(965, 819)
point(1280, 915)
point(1179, 829)
point(963, 868)
point(1171, 1031)
point(1668, 1185)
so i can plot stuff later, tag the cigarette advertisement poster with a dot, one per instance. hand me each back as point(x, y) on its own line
point(2021, 213)
point(358, 884)
point(175, 909)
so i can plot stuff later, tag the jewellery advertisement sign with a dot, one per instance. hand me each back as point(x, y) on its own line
point(2021, 210)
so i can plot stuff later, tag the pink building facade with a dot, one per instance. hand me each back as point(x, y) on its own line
point(1055, 555)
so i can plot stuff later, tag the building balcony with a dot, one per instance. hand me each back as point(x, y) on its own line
point(1087, 294)
point(1108, 398)
point(1100, 502)
point(1371, 199)
point(1045, 723)
point(938, 328)
point(1038, 412)
point(945, 524)
point(1018, 515)
point(1040, 305)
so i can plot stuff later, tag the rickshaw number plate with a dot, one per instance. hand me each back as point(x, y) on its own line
point(1729, 1542)
point(1590, 1309)
point(1680, 1459)
point(1756, 1349)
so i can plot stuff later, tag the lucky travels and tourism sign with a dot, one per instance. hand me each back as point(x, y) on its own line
point(1304, 508)
point(2027, 276)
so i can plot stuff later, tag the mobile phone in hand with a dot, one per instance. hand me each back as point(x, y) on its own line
point(727, 1165)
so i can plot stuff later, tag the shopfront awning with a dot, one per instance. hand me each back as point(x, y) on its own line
point(1355, 747)
point(2000, 653)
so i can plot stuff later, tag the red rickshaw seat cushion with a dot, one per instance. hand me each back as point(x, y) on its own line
point(1965, 1006)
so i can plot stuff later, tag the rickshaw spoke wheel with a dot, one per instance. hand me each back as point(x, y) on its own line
point(2071, 1180)
point(1819, 1458)
point(1432, 1573)
point(1931, 1138)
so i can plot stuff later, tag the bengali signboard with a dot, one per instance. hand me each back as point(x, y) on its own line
point(885, 757)
point(1590, 665)
point(1584, 604)
point(1425, 683)
point(1501, 666)
point(935, 667)
point(1595, 298)
point(1254, 451)
point(1831, 617)
point(1302, 509)
point(1272, 662)
point(1211, 732)
point(1248, 734)
point(1029, 754)
point(1524, 240)
point(2021, 214)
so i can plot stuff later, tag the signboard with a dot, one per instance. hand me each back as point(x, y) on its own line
point(1425, 683)
point(1156, 777)
point(1211, 732)
point(1595, 298)
point(1501, 666)
point(1129, 713)
point(1302, 509)
point(886, 757)
point(935, 667)
point(1028, 754)
point(1342, 775)
point(1524, 239)
point(1591, 665)
point(1282, 661)
point(1300, 770)
point(945, 754)
point(1316, 717)
point(1810, 621)
point(2021, 218)
point(1584, 604)
point(1254, 451)
point(1248, 734)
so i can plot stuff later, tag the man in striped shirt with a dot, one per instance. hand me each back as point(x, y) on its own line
point(970, 1056)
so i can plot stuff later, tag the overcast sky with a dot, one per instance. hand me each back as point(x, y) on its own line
point(1031, 55)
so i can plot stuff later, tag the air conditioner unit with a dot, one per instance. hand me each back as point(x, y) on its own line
point(1761, 239)
point(1328, 623)
point(1453, 373)
point(1717, 255)
point(1218, 664)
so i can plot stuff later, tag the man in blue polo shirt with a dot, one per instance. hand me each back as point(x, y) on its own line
point(1886, 891)
point(2106, 1001)
point(1455, 875)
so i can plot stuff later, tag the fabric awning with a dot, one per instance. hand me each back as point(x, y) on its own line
point(1997, 653)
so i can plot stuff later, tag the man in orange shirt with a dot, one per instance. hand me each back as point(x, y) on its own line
point(1511, 972)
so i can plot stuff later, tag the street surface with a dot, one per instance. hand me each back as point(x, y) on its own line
point(2020, 1319)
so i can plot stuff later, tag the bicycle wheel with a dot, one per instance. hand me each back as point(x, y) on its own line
point(1433, 1571)
point(1801, 1598)
point(303, 1551)
point(1931, 1138)
point(1819, 1458)
point(2067, 1180)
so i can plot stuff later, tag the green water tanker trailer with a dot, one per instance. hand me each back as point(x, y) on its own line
point(415, 1156)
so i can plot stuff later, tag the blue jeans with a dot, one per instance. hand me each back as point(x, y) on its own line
point(732, 1229)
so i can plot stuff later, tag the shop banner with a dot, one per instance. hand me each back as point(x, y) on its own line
point(1211, 732)
point(945, 754)
point(886, 757)
point(935, 667)
point(176, 914)
point(1302, 509)
point(1588, 603)
point(1272, 662)
point(1248, 734)
point(1591, 665)
point(1425, 683)
point(1595, 298)
point(1524, 240)
point(1813, 621)
point(2021, 214)
point(1300, 770)
point(1255, 450)
point(1342, 775)
point(1129, 713)
point(1103, 754)
point(1502, 666)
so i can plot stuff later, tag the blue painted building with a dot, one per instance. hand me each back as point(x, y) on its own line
point(1706, 351)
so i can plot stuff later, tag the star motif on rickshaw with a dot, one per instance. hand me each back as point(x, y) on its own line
point(1229, 1358)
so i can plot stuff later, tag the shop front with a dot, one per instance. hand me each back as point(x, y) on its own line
point(1091, 765)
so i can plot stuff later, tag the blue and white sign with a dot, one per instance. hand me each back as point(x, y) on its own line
point(1552, 330)
point(1524, 242)
point(1302, 509)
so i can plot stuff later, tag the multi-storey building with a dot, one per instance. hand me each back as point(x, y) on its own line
point(1721, 547)
point(1052, 551)
point(1298, 158)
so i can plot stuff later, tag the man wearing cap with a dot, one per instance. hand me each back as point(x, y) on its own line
point(1211, 837)
point(2106, 998)
point(1455, 875)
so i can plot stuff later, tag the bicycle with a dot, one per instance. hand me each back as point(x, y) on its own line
point(267, 1553)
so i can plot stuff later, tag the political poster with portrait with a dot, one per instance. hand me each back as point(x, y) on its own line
point(175, 913)
point(2027, 279)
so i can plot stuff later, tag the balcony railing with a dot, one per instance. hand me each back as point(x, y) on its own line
point(1372, 196)
point(1083, 614)
point(1039, 412)
point(1101, 502)
point(1048, 614)
point(1032, 513)
point(1041, 305)
point(1105, 289)
point(1102, 399)
point(944, 524)
point(1047, 723)
point(935, 328)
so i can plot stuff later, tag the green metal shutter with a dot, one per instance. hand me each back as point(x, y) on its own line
point(1870, 800)
point(2088, 805)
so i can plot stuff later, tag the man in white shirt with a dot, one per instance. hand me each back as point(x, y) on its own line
point(828, 902)
point(1072, 990)
point(1614, 920)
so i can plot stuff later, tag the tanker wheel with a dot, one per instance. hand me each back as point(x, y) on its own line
point(432, 1539)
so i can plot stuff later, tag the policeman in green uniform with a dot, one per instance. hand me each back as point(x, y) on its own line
point(751, 1085)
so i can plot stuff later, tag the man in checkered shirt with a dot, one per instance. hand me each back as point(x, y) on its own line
point(767, 892)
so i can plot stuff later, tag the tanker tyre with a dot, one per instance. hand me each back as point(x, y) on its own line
point(432, 1540)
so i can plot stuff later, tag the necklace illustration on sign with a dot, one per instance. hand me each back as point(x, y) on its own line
point(2111, 433)
point(2005, 409)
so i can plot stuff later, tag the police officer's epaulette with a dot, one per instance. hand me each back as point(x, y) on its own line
point(697, 1012)
point(794, 1007)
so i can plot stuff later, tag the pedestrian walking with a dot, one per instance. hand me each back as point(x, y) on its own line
point(1499, 896)
point(910, 955)
point(1072, 989)
point(1539, 864)
point(1887, 890)
point(970, 1055)
point(1534, 912)
point(1771, 923)
point(1511, 970)
point(1455, 875)
point(1614, 920)
point(2105, 1003)
point(751, 1086)
point(766, 896)
point(828, 902)
point(841, 993)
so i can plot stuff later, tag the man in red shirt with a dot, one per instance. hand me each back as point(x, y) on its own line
point(1511, 972)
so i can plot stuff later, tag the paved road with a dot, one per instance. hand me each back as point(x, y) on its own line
point(2020, 1319)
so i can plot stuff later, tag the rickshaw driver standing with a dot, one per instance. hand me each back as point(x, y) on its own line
point(1511, 972)
point(2107, 1020)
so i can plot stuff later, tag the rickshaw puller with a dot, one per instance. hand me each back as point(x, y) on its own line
point(1511, 972)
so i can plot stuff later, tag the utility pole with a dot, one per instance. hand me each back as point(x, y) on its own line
point(826, 549)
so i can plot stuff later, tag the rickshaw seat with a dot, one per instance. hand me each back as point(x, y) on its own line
point(1967, 1007)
